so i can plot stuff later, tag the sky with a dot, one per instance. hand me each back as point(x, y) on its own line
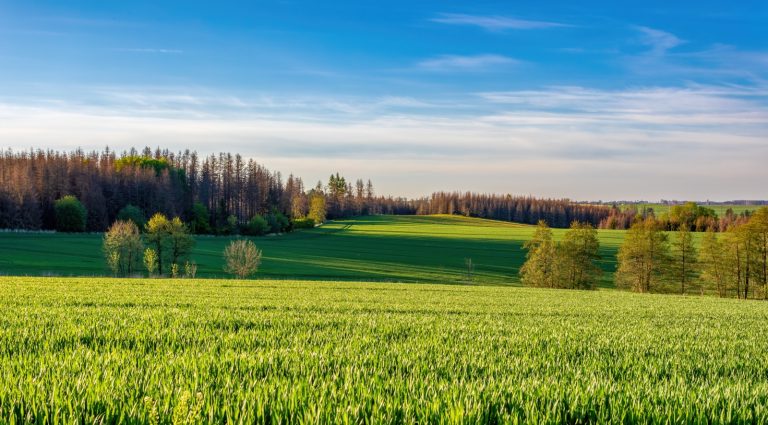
point(589, 100)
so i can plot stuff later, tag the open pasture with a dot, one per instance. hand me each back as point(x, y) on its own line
point(376, 248)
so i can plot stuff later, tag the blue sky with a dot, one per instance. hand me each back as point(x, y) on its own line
point(595, 100)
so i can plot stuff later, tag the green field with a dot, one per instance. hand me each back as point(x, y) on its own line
point(719, 209)
point(80, 350)
point(376, 248)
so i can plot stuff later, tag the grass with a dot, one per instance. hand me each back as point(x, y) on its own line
point(719, 209)
point(101, 350)
point(378, 248)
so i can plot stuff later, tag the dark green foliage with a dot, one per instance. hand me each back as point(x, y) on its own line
point(256, 226)
point(134, 214)
point(70, 215)
point(303, 223)
point(201, 219)
point(278, 222)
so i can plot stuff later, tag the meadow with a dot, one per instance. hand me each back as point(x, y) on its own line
point(102, 350)
point(720, 210)
point(427, 249)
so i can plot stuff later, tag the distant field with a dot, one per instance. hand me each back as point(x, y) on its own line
point(719, 209)
point(380, 248)
point(103, 350)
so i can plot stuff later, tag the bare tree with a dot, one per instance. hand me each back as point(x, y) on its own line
point(242, 258)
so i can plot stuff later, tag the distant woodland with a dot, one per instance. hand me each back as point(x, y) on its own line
point(220, 193)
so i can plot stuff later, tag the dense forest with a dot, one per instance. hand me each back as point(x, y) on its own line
point(220, 193)
point(221, 190)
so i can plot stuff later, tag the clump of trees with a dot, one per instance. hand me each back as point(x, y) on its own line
point(170, 242)
point(734, 262)
point(570, 264)
point(242, 258)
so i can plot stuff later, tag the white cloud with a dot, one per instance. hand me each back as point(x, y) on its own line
point(493, 23)
point(465, 63)
point(658, 41)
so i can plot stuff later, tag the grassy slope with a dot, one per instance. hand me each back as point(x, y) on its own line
point(396, 248)
point(91, 350)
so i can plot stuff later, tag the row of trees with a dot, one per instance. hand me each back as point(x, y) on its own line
point(168, 242)
point(689, 215)
point(732, 263)
point(521, 209)
point(215, 194)
point(163, 247)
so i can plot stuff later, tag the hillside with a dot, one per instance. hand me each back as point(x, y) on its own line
point(381, 248)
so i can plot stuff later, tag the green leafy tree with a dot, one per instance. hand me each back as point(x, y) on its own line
point(317, 209)
point(201, 219)
point(578, 254)
point(150, 261)
point(712, 260)
point(643, 258)
point(180, 241)
point(157, 234)
point(683, 264)
point(122, 247)
point(242, 258)
point(71, 215)
point(134, 214)
point(256, 226)
point(540, 267)
point(758, 227)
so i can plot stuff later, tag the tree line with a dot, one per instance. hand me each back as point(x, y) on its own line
point(218, 194)
point(733, 263)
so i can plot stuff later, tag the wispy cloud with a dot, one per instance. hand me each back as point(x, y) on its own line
point(466, 63)
point(658, 41)
point(494, 23)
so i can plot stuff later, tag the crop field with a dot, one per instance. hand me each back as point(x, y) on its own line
point(90, 350)
point(377, 248)
point(719, 209)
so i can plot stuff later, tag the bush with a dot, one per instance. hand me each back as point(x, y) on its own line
point(242, 258)
point(201, 219)
point(303, 223)
point(278, 222)
point(256, 226)
point(70, 215)
point(134, 214)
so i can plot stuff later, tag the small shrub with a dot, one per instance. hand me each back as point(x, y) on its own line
point(256, 226)
point(242, 258)
point(150, 261)
point(174, 270)
point(303, 223)
point(190, 269)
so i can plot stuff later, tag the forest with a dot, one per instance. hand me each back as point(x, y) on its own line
point(219, 194)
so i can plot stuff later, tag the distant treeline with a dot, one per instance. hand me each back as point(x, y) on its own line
point(690, 215)
point(218, 189)
point(222, 193)
point(521, 209)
